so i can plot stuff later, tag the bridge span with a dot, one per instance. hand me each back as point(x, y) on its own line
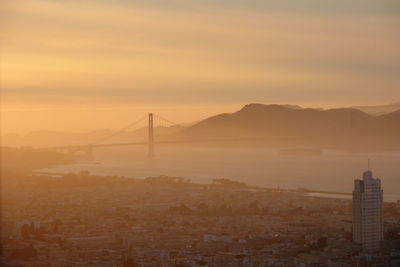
point(87, 149)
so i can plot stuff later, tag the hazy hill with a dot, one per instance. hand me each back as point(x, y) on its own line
point(342, 128)
point(19, 160)
point(380, 109)
point(281, 125)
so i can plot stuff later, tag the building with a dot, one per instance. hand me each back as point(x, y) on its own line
point(368, 212)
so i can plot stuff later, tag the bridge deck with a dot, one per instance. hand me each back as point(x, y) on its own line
point(166, 142)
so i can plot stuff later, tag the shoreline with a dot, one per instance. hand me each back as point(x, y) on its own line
point(299, 191)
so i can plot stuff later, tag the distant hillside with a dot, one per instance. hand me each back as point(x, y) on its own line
point(20, 160)
point(342, 128)
point(280, 125)
point(379, 110)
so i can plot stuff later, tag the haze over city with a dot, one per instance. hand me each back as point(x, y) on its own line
point(200, 133)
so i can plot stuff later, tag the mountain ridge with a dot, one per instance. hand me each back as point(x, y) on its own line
point(379, 109)
point(341, 128)
point(346, 128)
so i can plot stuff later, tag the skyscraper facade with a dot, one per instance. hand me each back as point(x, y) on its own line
point(368, 212)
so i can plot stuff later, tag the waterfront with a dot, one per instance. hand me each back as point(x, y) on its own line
point(330, 171)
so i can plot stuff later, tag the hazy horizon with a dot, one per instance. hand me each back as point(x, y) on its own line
point(178, 114)
point(115, 118)
point(85, 65)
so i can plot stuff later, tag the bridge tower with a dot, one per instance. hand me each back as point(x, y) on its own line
point(151, 136)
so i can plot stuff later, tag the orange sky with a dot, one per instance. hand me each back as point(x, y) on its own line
point(102, 63)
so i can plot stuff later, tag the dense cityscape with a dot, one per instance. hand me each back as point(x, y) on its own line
point(87, 220)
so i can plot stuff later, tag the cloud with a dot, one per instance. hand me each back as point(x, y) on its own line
point(205, 50)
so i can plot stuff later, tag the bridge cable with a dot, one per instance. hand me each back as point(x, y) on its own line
point(120, 131)
point(168, 121)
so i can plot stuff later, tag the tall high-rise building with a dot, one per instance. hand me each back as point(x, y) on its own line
point(368, 212)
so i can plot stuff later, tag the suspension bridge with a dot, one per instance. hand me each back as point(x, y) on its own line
point(87, 149)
